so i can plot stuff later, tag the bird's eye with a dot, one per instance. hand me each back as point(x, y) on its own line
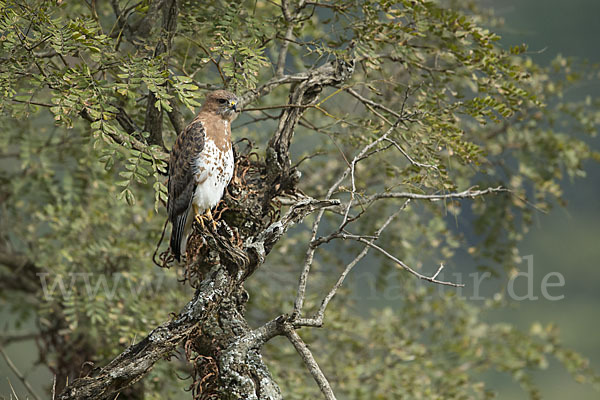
point(222, 101)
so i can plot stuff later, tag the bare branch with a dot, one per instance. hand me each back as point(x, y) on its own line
point(321, 312)
point(326, 74)
point(283, 50)
point(126, 122)
point(300, 209)
point(270, 85)
point(402, 264)
point(8, 338)
point(310, 362)
point(310, 252)
point(372, 103)
point(409, 158)
point(470, 193)
point(212, 60)
point(289, 33)
point(34, 103)
point(18, 373)
point(393, 126)
point(280, 177)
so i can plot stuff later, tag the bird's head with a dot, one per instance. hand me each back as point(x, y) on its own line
point(222, 103)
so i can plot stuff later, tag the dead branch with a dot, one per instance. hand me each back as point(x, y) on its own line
point(310, 362)
point(431, 279)
point(470, 193)
point(310, 252)
point(318, 318)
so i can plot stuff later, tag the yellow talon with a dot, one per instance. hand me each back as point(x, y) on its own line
point(209, 216)
point(202, 217)
point(199, 217)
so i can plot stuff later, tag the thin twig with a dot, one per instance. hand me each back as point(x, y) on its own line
point(353, 166)
point(409, 158)
point(438, 271)
point(372, 103)
point(310, 252)
point(403, 265)
point(360, 256)
point(278, 106)
point(18, 374)
point(209, 55)
point(54, 387)
point(6, 339)
point(34, 103)
point(308, 157)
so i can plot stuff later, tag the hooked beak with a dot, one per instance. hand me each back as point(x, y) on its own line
point(233, 105)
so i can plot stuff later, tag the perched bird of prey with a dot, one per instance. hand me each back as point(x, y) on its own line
point(200, 167)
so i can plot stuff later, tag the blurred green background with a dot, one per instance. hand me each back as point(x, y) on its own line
point(566, 241)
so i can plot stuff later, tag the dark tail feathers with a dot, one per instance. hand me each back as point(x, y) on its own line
point(177, 235)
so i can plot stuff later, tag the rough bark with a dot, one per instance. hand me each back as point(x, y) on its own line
point(280, 174)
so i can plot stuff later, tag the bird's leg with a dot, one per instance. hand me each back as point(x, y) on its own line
point(210, 218)
point(198, 216)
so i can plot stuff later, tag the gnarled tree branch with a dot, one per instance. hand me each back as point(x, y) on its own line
point(218, 286)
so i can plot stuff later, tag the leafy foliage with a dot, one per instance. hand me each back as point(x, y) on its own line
point(80, 176)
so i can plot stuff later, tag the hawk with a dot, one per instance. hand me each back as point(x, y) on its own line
point(200, 167)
